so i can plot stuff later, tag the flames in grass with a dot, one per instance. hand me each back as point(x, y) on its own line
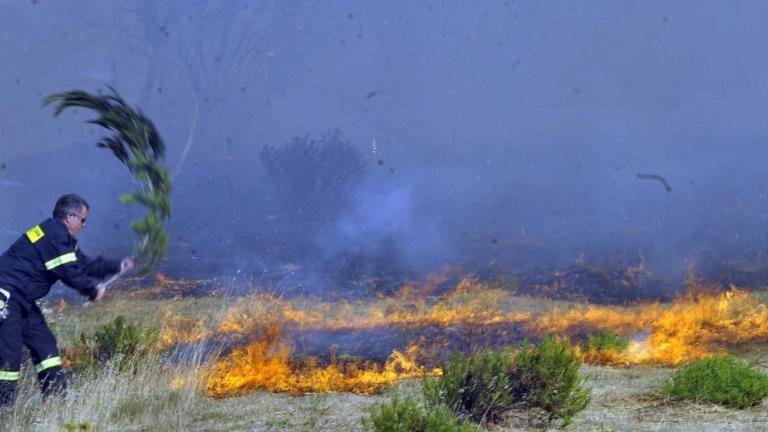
point(270, 335)
point(690, 328)
point(269, 364)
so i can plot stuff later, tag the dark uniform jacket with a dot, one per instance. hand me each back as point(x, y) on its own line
point(45, 254)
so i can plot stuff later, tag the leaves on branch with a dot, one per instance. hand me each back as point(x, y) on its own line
point(137, 144)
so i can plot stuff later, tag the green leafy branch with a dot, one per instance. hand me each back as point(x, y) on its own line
point(137, 144)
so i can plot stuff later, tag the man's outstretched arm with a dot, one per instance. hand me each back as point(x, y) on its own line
point(98, 267)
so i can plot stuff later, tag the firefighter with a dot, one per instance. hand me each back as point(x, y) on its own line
point(43, 255)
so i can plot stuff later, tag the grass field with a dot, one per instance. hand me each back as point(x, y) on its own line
point(165, 395)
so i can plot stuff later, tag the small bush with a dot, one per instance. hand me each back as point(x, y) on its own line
point(487, 385)
point(119, 341)
point(604, 347)
point(475, 388)
point(724, 380)
point(547, 377)
point(604, 341)
point(407, 415)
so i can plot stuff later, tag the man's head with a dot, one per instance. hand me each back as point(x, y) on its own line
point(72, 210)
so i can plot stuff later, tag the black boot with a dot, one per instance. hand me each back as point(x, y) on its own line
point(52, 381)
point(7, 393)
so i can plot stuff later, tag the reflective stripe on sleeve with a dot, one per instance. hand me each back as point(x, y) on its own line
point(66, 258)
point(9, 375)
point(48, 363)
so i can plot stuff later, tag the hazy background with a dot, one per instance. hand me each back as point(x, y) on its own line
point(493, 134)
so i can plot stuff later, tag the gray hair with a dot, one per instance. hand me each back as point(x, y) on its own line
point(69, 204)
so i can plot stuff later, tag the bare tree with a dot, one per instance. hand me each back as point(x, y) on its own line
point(222, 48)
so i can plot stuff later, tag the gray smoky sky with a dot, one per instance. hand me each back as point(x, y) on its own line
point(510, 132)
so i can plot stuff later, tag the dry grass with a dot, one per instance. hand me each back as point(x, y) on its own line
point(157, 397)
point(626, 399)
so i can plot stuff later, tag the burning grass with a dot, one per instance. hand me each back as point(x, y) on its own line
point(269, 362)
point(307, 346)
point(305, 340)
point(264, 366)
point(604, 347)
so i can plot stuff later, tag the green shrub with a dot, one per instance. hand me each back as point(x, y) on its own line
point(724, 380)
point(475, 388)
point(604, 341)
point(487, 385)
point(407, 415)
point(118, 341)
point(547, 377)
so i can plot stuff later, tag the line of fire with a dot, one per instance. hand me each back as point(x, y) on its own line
point(305, 344)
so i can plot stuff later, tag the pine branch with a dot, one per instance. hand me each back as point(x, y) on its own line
point(137, 144)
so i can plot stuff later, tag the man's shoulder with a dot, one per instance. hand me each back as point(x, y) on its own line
point(52, 229)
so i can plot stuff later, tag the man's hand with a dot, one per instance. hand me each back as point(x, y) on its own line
point(100, 291)
point(126, 264)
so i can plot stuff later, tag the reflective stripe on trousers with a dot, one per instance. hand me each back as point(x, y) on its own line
point(9, 375)
point(48, 363)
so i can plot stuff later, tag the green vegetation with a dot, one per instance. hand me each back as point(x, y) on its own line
point(73, 427)
point(487, 385)
point(119, 341)
point(407, 415)
point(723, 380)
point(138, 145)
point(547, 376)
point(604, 341)
point(476, 388)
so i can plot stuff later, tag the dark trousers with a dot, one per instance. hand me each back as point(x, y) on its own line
point(25, 326)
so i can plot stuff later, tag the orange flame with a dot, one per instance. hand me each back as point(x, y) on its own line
point(699, 324)
point(267, 364)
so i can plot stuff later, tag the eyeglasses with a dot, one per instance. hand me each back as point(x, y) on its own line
point(82, 219)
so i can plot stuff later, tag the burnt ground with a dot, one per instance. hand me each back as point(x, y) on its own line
point(619, 281)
